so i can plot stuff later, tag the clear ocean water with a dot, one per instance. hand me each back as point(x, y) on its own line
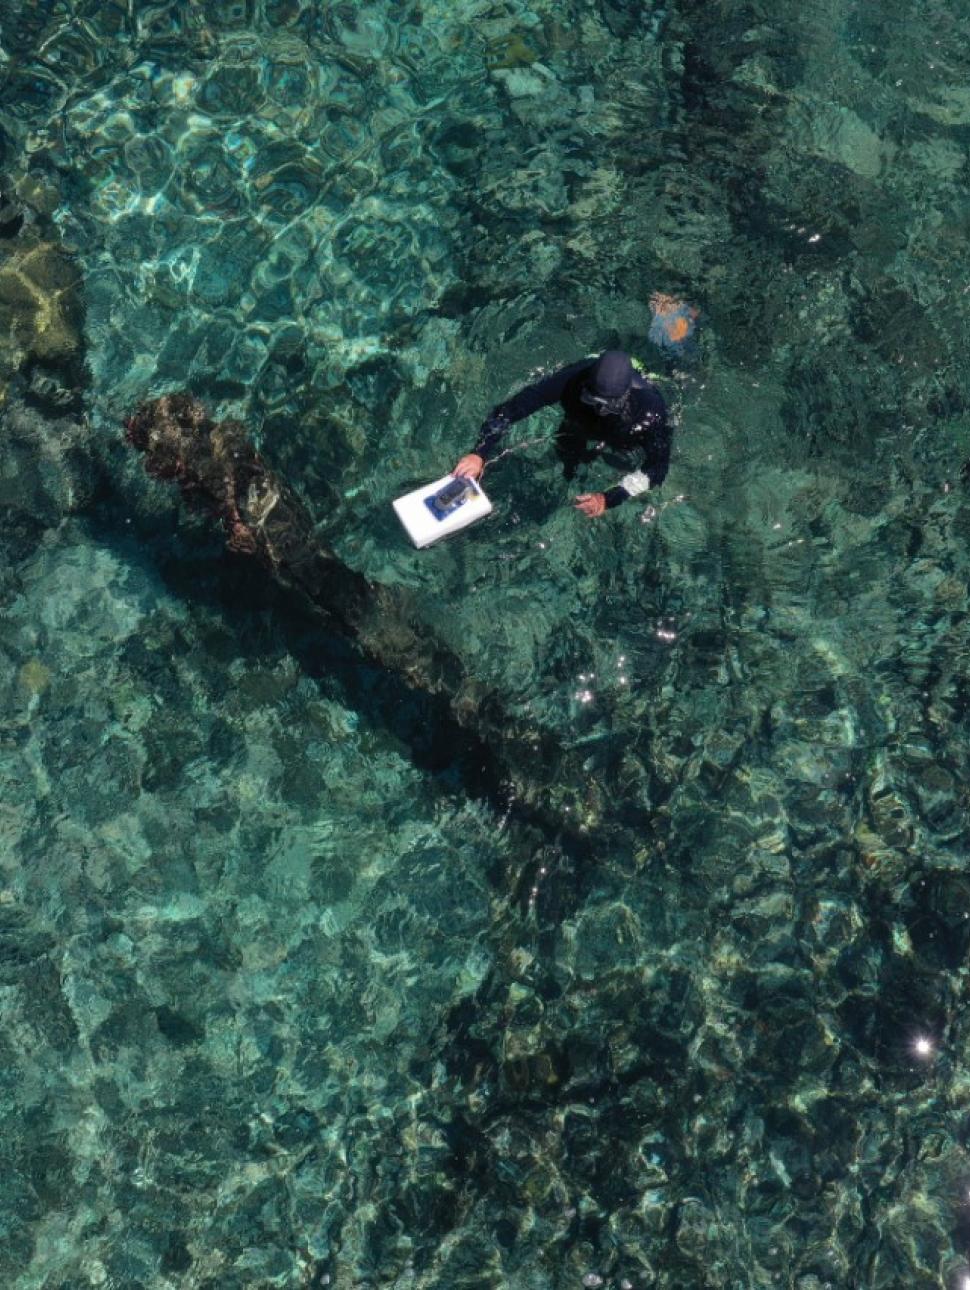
point(278, 1005)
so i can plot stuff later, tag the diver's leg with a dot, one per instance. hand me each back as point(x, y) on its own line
point(571, 449)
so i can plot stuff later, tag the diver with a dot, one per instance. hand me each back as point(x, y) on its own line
point(611, 410)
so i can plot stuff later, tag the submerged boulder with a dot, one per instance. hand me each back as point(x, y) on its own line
point(40, 310)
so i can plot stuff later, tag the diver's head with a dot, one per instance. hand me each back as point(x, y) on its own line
point(609, 384)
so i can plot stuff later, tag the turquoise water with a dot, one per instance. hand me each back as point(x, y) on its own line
point(276, 1007)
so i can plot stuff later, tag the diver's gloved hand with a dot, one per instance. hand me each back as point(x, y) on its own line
point(591, 504)
point(470, 466)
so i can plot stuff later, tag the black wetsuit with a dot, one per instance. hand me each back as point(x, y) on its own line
point(637, 437)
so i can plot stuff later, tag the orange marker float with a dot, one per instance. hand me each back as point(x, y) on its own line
point(674, 322)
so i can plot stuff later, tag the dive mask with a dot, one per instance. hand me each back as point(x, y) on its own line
point(604, 405)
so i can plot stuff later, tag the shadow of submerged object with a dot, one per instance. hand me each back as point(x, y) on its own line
point(218, 470)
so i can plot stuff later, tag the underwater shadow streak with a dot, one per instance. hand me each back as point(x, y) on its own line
point(373, 633)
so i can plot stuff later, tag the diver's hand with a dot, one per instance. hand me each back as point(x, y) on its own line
point(591, 504)
point(470, 467)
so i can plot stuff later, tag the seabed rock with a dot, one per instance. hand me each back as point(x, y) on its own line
point(39, 310)
point(218, 469)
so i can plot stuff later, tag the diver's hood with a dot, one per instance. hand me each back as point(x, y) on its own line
point(613, 374)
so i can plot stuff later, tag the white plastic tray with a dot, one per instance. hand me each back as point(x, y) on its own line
point(422, 527)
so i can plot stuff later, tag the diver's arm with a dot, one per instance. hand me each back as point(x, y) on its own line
point(631, 485)
point(591, 504)
point(650, 474)
point(654, 435)
point(656, 453)
point(540, 394)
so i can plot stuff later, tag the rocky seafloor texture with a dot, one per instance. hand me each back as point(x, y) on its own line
point(276, 1006)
